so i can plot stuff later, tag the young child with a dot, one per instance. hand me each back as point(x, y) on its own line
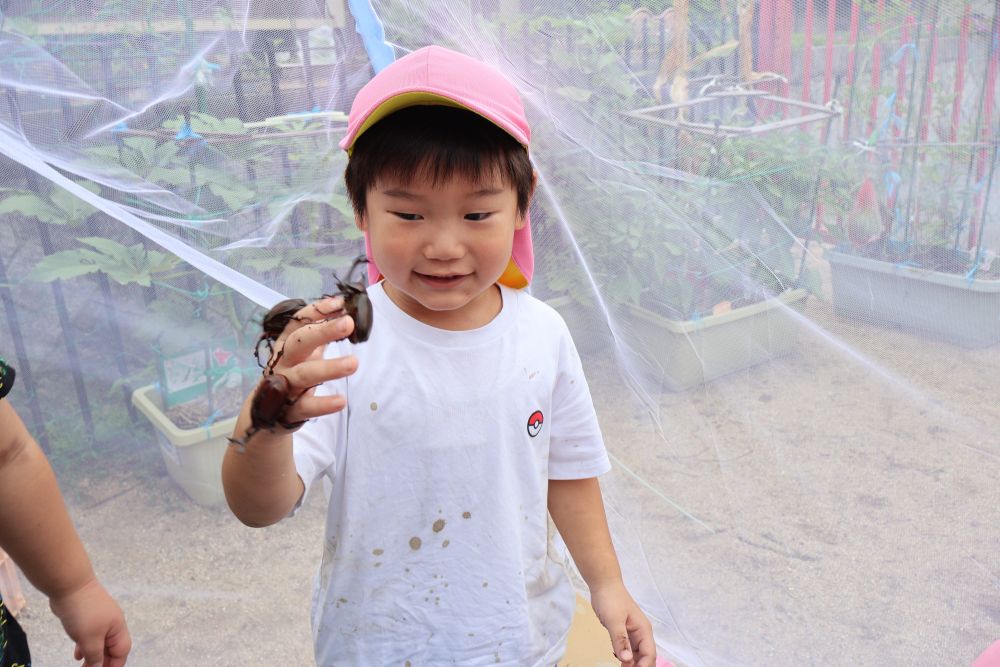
point(38, 534)
point(447, 439)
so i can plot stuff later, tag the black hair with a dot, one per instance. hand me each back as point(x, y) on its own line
point(440, 143)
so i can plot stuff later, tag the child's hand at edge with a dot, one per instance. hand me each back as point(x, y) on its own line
point(95, 622)
point(631, 632)
point(301, 347)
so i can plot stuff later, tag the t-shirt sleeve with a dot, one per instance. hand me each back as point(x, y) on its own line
point(315, 445)
point(576, 447)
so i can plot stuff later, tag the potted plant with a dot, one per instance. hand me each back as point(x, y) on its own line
point(907, 257)
point(697, 269)
point(200, 367)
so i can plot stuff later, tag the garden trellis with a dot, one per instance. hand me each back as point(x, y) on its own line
point(770, 224)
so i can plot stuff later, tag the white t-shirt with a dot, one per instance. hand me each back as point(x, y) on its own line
point(437, 548)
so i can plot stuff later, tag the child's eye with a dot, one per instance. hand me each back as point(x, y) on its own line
point(477, 217)
point(406, 216)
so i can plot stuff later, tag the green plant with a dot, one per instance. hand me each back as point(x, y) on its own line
point(297, 184)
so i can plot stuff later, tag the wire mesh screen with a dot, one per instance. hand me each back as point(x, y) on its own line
point(771, 226)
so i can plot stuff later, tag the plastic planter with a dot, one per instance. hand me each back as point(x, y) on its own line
point(193, 456)
point(683, 355)
point(942, 305)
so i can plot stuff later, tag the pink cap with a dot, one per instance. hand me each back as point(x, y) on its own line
point(434, 75)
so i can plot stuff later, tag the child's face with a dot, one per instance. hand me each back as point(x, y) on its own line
point(442, 248)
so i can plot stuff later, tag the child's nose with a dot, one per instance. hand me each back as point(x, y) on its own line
point(445, 243)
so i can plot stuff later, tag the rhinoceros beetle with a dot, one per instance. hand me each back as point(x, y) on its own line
point(274, 323)
point(356, 304)
point(267, 410)
point(271, 398)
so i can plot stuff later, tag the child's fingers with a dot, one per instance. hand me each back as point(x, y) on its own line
point(640, 634)
point(645, 651)
point(298, 345)
point(620, 643)
point(310, 406)
point(91, 652)
point(317, 310)
point(317, 371)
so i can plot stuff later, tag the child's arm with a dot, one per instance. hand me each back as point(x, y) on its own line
point(577, 509)
point(261, 483)
point(36, 531)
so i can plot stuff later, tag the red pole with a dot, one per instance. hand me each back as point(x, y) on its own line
point(908, 23)
point(876, 67)
point(987, 131)
point(807, 53)
point(765, 47)
point(929, 89)
point(852, 57)
point(786, 25)
point(831, 23)
point(765, 36)
point(963, 54)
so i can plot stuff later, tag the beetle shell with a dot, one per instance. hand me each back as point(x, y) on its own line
point(269, 402)
point(359, 307)
point(280, 315)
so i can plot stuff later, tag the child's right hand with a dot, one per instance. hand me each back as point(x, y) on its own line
point(95, 622)
point(299, 357)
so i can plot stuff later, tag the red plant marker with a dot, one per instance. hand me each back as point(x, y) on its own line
point(865, 223)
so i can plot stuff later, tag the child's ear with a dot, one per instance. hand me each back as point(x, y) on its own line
point(361, 220)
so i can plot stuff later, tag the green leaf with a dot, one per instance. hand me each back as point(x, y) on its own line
point(352, 233)
point(74, 208)
point(342, 205)
point(64, 265)
point(264, 263)
point(812, 281)
point(235, 195)
point(31, 205)
point(304, 281)
point(122, 264)
point(574, 93)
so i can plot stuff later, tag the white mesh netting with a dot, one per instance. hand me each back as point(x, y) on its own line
point(770, 224)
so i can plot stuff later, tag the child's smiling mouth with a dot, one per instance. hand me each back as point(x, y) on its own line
point(442, 280)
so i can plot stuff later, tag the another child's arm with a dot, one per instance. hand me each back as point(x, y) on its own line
point(37, 532)
point(577, 509)
point(261, 483)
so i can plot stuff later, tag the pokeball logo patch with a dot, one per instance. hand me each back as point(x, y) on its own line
point(535, 423)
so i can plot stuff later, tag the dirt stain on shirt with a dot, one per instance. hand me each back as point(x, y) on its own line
point(438, 525)
point(415, 543)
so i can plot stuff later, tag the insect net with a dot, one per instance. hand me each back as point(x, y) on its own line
point(770, 225)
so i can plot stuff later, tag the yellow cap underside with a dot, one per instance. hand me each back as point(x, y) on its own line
point(401, 101)
point(512, 276)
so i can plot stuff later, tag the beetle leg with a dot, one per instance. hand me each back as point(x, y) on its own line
point(241, 443)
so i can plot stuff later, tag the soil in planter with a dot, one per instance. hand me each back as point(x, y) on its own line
point(715, 301)
point(192, 414)
point(932, 258)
